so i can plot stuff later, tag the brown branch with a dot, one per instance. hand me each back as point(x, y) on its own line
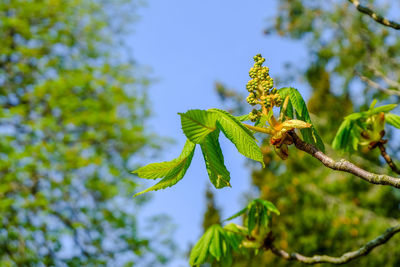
point(378, 18)
point(345, 258)
point(344, 165)
point(387, 158)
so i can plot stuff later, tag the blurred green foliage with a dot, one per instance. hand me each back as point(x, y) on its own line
point(326, 212)
point(72, 108)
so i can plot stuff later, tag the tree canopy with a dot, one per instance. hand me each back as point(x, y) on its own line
point(72, 108)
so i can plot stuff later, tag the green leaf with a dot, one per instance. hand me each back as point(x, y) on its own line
point(261, 122)
point(214, 159)
point(213, 244)
point(252, 217)
point(269, 206)
point(297, 103)
point(373, 103)
point(259, 211)
point(243, 117)
point(156, 170)
point(216, 249)
point(385, 109)
point(177, 172)
point(236, 214)
point(393, 120)
point(347, 137)
point(197, 124)
point(238, 134)
point(234, 235)
point(199, 253)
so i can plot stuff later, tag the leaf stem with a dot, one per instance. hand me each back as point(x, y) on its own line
point(259, 129)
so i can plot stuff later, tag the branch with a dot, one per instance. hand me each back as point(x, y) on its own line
point(378, 18)
point(378, 86)
point(347, 257)
point(344, 165)
point(387, 158)
point(389, 81)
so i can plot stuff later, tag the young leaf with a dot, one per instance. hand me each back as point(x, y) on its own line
point(252, 217)
point(237, 214)
point(269, 206)
point(219, 175)
point(385, 108)
point(259, 213)
point(197, 124)
point(238, 134)
point(176, 173)
point(234, 235)
point(243, 117)
point(297, 103)
point(347, 137)
point(199, 253)
point(393, 120)
point(263, 119)
point(213, 244)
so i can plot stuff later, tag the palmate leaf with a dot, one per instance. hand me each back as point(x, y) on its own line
point(197, 124)
point(214, 244)
point(297, 106)
point(178, 168)
point(238, 134)
point(393, 120)
point(219, 175)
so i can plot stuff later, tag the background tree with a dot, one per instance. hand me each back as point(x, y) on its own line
point(72, 109)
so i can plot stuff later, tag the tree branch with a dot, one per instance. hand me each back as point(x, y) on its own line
point(387, 158)
point(377, 85)
point(344, 165)
point(347, 257)
point(378, 18)
point(389, 81)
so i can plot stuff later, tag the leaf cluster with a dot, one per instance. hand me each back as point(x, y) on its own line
point(363, 128)
point(218, 243)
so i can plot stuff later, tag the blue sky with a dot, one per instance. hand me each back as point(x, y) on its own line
point(189, 45)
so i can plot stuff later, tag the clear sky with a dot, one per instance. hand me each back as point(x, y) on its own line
point(189, 45)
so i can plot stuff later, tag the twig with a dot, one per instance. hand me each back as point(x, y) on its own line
point(387, 158)
point(344, 165)
point(389, 81)
point(345, 258)
point(378, 18)
point(378, 86)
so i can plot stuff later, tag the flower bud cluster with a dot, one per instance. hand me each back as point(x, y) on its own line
point(260, 87)
point(254, 115)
